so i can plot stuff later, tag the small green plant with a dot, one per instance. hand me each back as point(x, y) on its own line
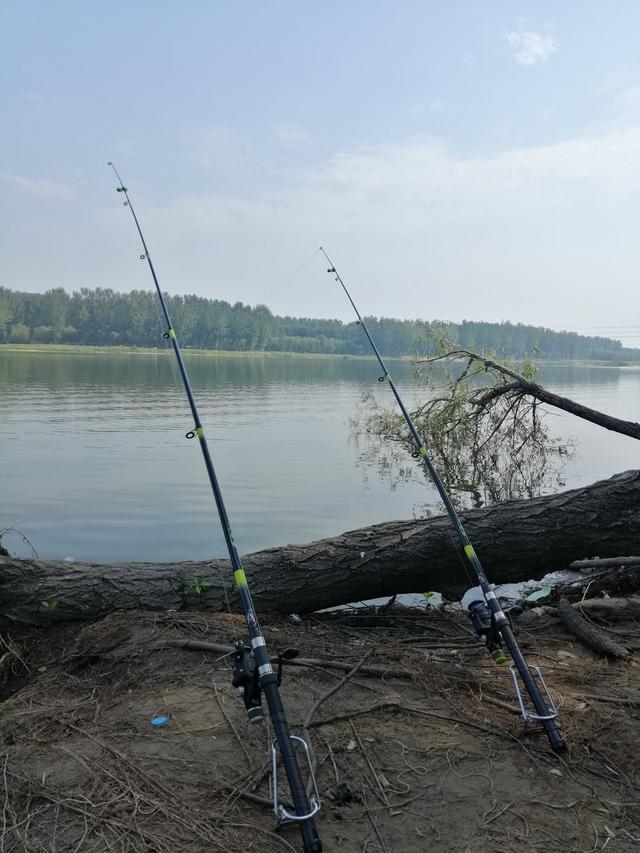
point(197, 585)
point(50, 604)
point(428, 596)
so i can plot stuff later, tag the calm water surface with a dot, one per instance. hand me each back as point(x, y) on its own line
point(95, 465)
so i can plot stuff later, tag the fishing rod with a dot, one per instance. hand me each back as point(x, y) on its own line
point(252, 670)
point(493, 626)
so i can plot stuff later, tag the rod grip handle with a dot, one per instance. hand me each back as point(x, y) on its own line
point(310, 838)
point(558, 744)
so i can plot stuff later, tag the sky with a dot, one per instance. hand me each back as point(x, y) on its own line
point(457, 160)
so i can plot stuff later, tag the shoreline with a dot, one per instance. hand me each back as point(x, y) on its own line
point(80, 349)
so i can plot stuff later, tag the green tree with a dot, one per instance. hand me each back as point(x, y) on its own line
point(20, 334)
point(44, 334)
point(102, 316)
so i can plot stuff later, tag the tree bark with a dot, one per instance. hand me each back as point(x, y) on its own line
point(630, 428)
point(516, 540)
point(589, 633)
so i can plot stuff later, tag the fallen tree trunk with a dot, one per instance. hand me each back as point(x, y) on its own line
point(516, 540)
point(589, 633)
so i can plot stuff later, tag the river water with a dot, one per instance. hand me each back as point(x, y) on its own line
point(94, 464)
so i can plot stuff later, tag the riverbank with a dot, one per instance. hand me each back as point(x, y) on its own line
point(83, 349)
point(430, 756)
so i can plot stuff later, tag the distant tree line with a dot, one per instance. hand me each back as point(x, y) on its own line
point(102, 316)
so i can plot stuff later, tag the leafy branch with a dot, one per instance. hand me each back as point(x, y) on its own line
point(483, 427)
point(507, 382)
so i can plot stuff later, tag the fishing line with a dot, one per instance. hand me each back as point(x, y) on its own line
point(290, 276)
point(492, 625)
point(252, 672)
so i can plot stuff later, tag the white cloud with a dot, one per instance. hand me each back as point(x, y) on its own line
point(39, 188)
point(290, 133)
point(420, 184)
point(511, 234)
point(627, 102)
point(425, 174)
point(210, 145)
point(529, 48)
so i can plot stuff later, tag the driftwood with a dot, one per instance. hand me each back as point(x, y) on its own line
point(624, 608)
point(607, 563)
point(618, 580)
point(589, 633)
point(516, 540)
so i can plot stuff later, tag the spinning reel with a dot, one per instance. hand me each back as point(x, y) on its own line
point(484, 624)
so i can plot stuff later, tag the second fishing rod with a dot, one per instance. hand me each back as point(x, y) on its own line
point(490, 621)
point(252, 671)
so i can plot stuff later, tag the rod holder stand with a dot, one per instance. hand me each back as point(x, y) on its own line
point(283, 815)
point(527, 716)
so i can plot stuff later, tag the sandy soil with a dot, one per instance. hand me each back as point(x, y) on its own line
point(429, 757)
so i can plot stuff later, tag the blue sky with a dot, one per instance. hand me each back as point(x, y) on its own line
point(475, 160)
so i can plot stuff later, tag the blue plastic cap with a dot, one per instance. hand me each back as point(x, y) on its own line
point(158, 722)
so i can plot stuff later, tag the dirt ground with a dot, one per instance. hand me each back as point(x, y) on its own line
point(428, 756)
